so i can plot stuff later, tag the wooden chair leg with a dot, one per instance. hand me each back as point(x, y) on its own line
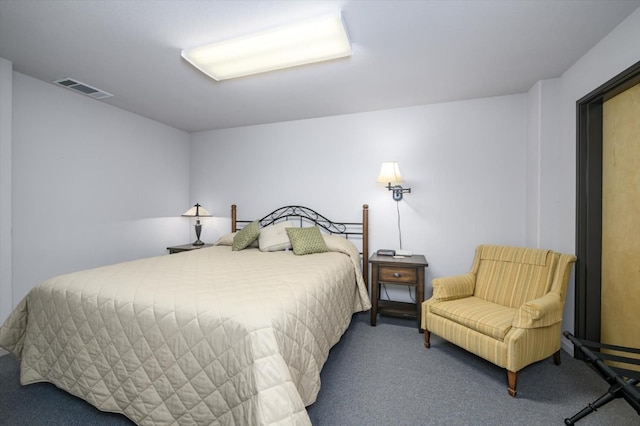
point(557, 358)
point(427, 337)
point(512, 378)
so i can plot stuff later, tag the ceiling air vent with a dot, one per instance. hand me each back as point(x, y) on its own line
point(85, 89)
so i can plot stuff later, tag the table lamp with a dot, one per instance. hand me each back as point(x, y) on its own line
point(197, 211)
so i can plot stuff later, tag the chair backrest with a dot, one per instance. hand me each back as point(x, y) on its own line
point(511, 276)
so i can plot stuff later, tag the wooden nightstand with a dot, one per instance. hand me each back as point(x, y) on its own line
point(185, 247)
point(408, 271)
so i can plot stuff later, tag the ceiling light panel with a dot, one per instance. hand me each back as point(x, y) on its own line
point(305, 42)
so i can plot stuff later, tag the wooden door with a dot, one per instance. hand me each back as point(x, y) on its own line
point(620, 290)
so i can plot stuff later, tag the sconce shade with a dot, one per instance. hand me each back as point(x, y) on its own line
point(196, 211)
point(390, 173)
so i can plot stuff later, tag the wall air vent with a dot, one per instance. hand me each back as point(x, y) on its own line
point(85, 89)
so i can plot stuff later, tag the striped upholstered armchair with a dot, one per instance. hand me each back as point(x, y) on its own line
point(507, 309)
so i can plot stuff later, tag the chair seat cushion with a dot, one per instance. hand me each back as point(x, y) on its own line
point(478, 314)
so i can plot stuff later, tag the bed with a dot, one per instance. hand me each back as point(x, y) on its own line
point(209, 336)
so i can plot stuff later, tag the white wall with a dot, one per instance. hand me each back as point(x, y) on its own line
point(464, 162)
point(6, 78)
point(92, 184)
point(543, 129)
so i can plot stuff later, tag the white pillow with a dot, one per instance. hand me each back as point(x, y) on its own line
point(274, 237)
point(227, 240)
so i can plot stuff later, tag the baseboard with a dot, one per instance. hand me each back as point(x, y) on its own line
point(567, 346)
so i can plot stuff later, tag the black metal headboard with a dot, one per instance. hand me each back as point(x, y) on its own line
point(304, 215)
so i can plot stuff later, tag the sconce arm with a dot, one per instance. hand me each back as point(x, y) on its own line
point(397, 191)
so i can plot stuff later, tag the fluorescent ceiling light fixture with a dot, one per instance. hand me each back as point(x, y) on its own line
point(305, 42)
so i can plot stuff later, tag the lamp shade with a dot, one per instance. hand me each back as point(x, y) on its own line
point(390, 173)
point(196, 211)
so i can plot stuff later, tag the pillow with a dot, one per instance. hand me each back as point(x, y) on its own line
point(246, 236)
point(275, 237)
point(227, 240)
point(307, 240)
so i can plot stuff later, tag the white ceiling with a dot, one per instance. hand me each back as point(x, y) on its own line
point(404, 53)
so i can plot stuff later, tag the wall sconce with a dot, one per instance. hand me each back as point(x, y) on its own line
point(390, 174)
point(197, 211)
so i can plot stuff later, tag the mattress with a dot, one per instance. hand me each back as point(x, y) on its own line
point(210, 336)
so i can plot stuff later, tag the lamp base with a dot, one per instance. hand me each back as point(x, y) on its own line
point(198, 227)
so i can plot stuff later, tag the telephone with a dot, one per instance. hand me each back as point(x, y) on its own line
point(386, 252)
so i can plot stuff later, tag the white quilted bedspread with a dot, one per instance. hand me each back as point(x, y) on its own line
point(209, 336)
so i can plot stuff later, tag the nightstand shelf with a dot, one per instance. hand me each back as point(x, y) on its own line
point(407, 271)
point(397, 309)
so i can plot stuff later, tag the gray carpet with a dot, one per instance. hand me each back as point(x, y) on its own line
point(383, 376)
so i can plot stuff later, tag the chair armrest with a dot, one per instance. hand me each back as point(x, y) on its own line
point(541, 312)
point(456, 287)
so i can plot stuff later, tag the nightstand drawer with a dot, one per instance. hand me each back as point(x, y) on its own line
point(395, 274)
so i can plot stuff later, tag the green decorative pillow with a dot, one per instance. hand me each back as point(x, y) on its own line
point(307, 240)
point(246, 236)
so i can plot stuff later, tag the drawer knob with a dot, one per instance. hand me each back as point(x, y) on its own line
point(397, 275)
